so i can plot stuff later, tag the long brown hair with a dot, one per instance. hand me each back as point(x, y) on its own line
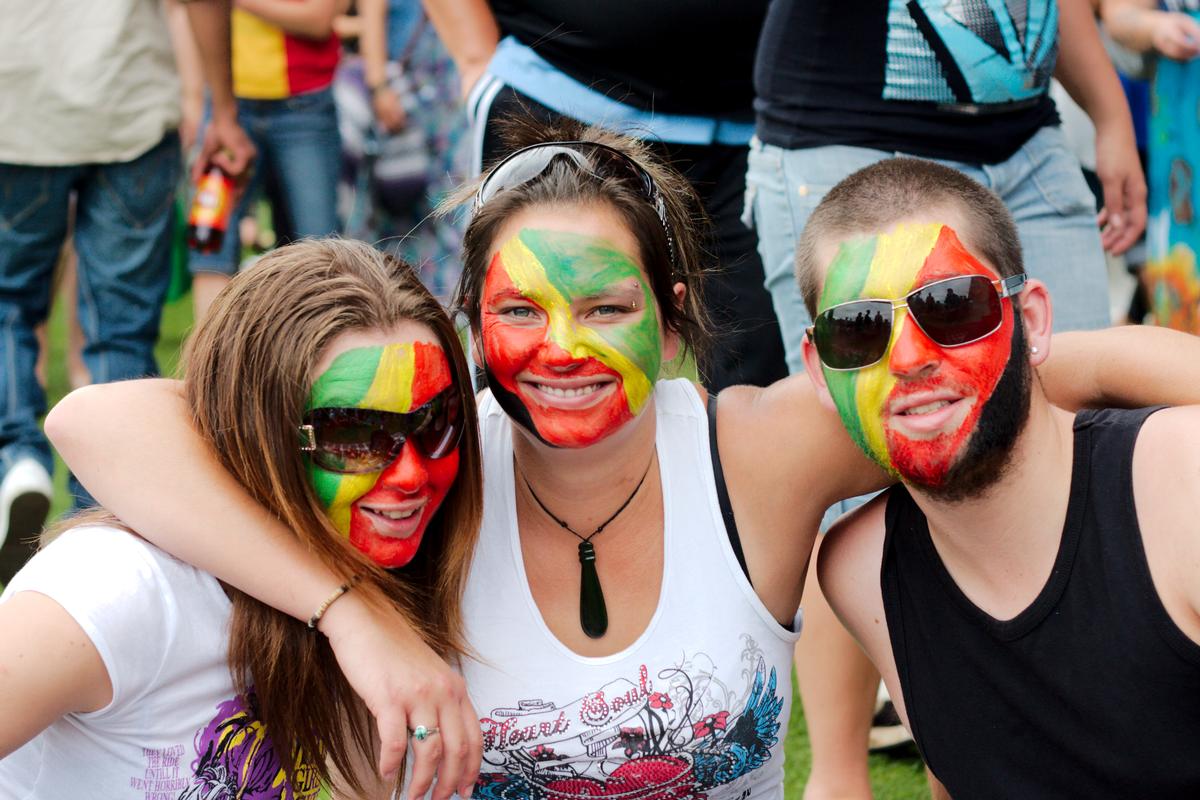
point(248, 373)
point(565, 183)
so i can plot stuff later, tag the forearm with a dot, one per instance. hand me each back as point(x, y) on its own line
point(187, 57)
point(1130, 23)
point(372, 41)
point(1129, 366)
point(210, 29)
point(468, 29)
point(1085, 70)
point(310, 19)
point(150, 467)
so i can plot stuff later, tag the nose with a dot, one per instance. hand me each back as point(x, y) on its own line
point(913, 354)
point(557, 357)
point(408, 473)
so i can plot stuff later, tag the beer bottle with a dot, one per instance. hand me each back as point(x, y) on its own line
point(211, 209)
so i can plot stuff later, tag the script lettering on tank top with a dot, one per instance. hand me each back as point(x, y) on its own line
point(600, 712)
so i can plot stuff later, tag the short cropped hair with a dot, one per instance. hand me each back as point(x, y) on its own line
point(889, 191)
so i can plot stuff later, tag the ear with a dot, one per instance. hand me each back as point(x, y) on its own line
point(1037, 315)
point(671, 341)
point(812, 365)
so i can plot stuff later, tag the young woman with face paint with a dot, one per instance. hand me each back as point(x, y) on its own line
point(652, 659)
point(331, 386)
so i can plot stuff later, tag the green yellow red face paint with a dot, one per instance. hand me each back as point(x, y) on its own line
point(570, 333)
point(384, 514)
point(914, 411)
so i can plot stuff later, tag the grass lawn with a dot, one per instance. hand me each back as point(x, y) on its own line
point(893, 778)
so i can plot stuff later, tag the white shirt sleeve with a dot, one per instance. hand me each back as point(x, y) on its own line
point(111, 583)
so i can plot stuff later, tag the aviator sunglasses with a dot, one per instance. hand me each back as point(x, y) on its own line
point(952, 312)
point(593, 158)
point(357, 440)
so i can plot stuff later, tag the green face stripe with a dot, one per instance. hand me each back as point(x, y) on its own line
point(844, 280)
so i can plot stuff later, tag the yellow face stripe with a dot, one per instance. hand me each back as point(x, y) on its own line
point(390, 390)
point(529, 276)
point(899, 257)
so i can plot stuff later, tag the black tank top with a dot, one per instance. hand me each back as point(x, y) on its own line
point(1092, 691)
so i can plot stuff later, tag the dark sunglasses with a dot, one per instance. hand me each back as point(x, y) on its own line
point(593, 158)
point(357, 440)
point(952, 312)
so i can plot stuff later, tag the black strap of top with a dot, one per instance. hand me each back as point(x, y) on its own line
point(735, 540)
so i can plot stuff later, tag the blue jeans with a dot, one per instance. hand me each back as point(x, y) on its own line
point(299, 155)
point(1041, 184)
point(123, 223)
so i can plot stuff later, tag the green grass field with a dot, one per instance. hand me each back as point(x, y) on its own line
point(892, 778)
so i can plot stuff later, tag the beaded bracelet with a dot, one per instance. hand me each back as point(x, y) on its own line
point(320, 612)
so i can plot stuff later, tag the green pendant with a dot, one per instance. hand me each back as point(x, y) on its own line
point(593, 615)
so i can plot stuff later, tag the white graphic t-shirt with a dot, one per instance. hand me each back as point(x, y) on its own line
point(175, 729)
point(696, 708)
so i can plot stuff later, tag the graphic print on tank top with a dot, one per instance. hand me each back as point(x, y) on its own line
point(236, 760)
point(970, 51)
point(671, 733)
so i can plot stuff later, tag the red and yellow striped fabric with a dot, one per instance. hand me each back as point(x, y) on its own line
point(269, 64)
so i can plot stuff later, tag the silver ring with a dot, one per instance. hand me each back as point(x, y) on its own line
point(421, 733)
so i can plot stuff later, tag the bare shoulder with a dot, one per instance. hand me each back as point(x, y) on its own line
point(1166, 487)
point(1166, 458)
point(781, 432)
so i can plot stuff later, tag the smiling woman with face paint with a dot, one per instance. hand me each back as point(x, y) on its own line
point(632, 604)
point(331, 386)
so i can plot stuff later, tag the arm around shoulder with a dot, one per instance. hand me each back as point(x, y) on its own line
point(1128, 366)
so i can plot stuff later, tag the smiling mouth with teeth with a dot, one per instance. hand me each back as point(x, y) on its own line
point(394, 515)
point(927, 408)
point(581, 391)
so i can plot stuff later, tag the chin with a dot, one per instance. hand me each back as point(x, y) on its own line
point(562, 430)
point(386, 551)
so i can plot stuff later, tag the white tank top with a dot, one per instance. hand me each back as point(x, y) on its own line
point(697, 707)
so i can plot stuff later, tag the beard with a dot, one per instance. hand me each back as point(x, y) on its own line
point(988, 456)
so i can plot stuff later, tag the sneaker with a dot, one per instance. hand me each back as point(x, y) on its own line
point(887, 731)
point(24, 503)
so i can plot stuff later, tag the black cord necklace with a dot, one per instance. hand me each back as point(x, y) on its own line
point(593, 613)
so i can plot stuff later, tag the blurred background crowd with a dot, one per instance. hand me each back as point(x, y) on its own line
point(365, 114)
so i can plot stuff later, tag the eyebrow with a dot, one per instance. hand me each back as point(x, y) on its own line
point(512, 293)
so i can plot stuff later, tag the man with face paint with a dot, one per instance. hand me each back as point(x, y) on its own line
point(1037, 616)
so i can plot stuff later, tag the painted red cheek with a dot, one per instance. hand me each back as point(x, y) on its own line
point(410, 476)
point(509, 349)
point(972, 370)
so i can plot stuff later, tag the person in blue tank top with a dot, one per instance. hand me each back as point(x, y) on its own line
point(1037, 616)
point(614, 503)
